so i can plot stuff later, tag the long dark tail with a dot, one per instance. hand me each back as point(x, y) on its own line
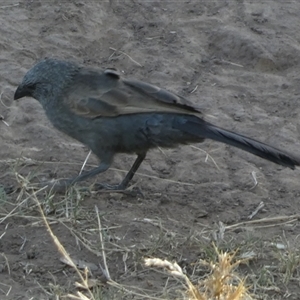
point(203, 129)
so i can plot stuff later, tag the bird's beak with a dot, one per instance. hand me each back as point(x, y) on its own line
point(21, 92)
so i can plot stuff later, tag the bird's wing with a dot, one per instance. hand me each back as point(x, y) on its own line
point(104, 93)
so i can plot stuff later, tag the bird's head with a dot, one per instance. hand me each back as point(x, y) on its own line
point(45, 79)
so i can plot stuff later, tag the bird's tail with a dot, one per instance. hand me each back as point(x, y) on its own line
point(203, 129)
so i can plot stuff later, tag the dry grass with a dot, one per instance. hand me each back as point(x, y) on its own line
point(222, 283)
point(236, 268)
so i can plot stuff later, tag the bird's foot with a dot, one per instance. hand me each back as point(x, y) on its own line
point(7, 189)
point(47, 186)
point(118, 188)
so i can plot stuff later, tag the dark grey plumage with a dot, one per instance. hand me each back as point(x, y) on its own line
point(110, 115)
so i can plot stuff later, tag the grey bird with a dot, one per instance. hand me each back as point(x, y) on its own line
point(111, 114)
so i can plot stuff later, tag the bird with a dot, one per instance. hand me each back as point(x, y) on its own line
point(111, 114)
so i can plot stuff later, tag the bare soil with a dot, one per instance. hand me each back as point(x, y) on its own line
point(238, 60)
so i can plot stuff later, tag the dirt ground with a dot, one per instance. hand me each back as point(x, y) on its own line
point(239, 61)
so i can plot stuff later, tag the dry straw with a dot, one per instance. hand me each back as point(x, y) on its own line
point(221, 284)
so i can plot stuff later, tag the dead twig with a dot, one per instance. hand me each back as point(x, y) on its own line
point(134, 61)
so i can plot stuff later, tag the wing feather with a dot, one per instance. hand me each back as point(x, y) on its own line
point(99, 93)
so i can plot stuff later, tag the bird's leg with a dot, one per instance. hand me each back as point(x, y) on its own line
point(123, 185)
point(91, 173)
point(61, 185)
point(65, 183)
point(104, 165)
point(131, 172)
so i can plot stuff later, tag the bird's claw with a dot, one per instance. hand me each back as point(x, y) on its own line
point(118, 188)
point(8, 189)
